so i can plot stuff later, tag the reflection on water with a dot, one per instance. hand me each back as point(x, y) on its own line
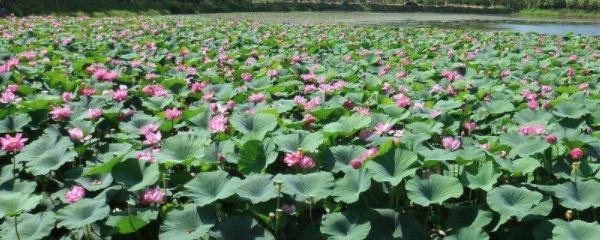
point(558, 29)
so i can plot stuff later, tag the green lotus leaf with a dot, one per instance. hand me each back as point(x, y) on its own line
point(15, 203)
point(303, 187)
point(257, 188)
point(30, 226)
point(188, 222)
point(468, 217)
point(82, 213)
point(513, 201)
point(499, 106)
point(208, 187)
point(393, 166)
point(348, 225)
point(579, 195)
point(349, 188)
point(135, 175)
point(570, 109)
point(47, 153)
point(183, 147)
point(469, 234)
point(338, 158)
point(434, 190)
point(307, 142)
point(482, 176)
point(240, 227)
point(255, 156)
point(575, 230)
point(254, 126)
point(346, 125)
point(14, 123)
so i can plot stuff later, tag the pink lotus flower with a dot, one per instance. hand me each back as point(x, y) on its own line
point(383, 128)
point(551, 138)
point(198, 86)
point(356, 163)
point(88, 92)
point(149, 128)
point(306, 163)
point(363, 111)
point(152, 138)
point(120, 94)
point(13, 144)
point(435, 113)
point(67, 96)
point(402, 101)
point(9, 97)
point(451, 143)
point(533, 104)
point(76, 134)
point(572, 58)
point(583, 86)
point(451, 75)
point(218, 123)
point(155, 90)
point(576, 153)
point(570, 72)
point(257, 97)
point(173, 113)
point(247, 77)
point(470, 126)
point(505, 73)
point(94, 113)
point(153, 196)
point(146, 156)
point(272, 73)
point(75, 194)
point(533, 129)
point(60, 113)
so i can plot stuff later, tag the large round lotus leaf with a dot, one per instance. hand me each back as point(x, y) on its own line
point(82, 213)
point(575, 230)
point(301, 140)
point(254, 126)
point(468, 217)
point(348, 188)
point(338, 157)
point(14, 123)
point(303, 187)
point(14, 203)
point(513, 201)
point(30, 227)
point(216, 150)
point(469, 234)
point(47, 153)
point(135, 174)
point(393, 166)
point(434, 190)
point(208, 187)
point(389, 224)
point(480, 176)
point(189, 222)
point(346, 126)
point(257, 188)
point(578, 195)
point(255, 156)
point(345, 226)
point(183, 147)
point(240, 227)
point(570, 110)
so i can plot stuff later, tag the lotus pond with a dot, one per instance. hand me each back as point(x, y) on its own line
point(199, 128)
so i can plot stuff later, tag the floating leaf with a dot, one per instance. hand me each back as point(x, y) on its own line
point(208, 187)
point(434, 190)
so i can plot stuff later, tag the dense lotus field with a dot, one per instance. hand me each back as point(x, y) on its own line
point(187, 128)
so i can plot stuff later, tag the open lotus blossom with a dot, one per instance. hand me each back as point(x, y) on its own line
point(67, 96)
point(298, 159)
point(451, 143)
point(218, 123)
point(198, 86)
point(153, 196)
point(402, 101)
point(383, 128)
point(155, 90)
point(60, 113)
point(120, 94)
point(152, 138)
point(75, 194)
point(76, 134)
point(94, 113)
point(149, 128)
point(12, 144)
point(247, 77)
point(146, 156)
point(173, 113)
point(9, 97)
point(257, 97)
point(534, 129)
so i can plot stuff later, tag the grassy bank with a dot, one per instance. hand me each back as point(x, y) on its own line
point(555, 13)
